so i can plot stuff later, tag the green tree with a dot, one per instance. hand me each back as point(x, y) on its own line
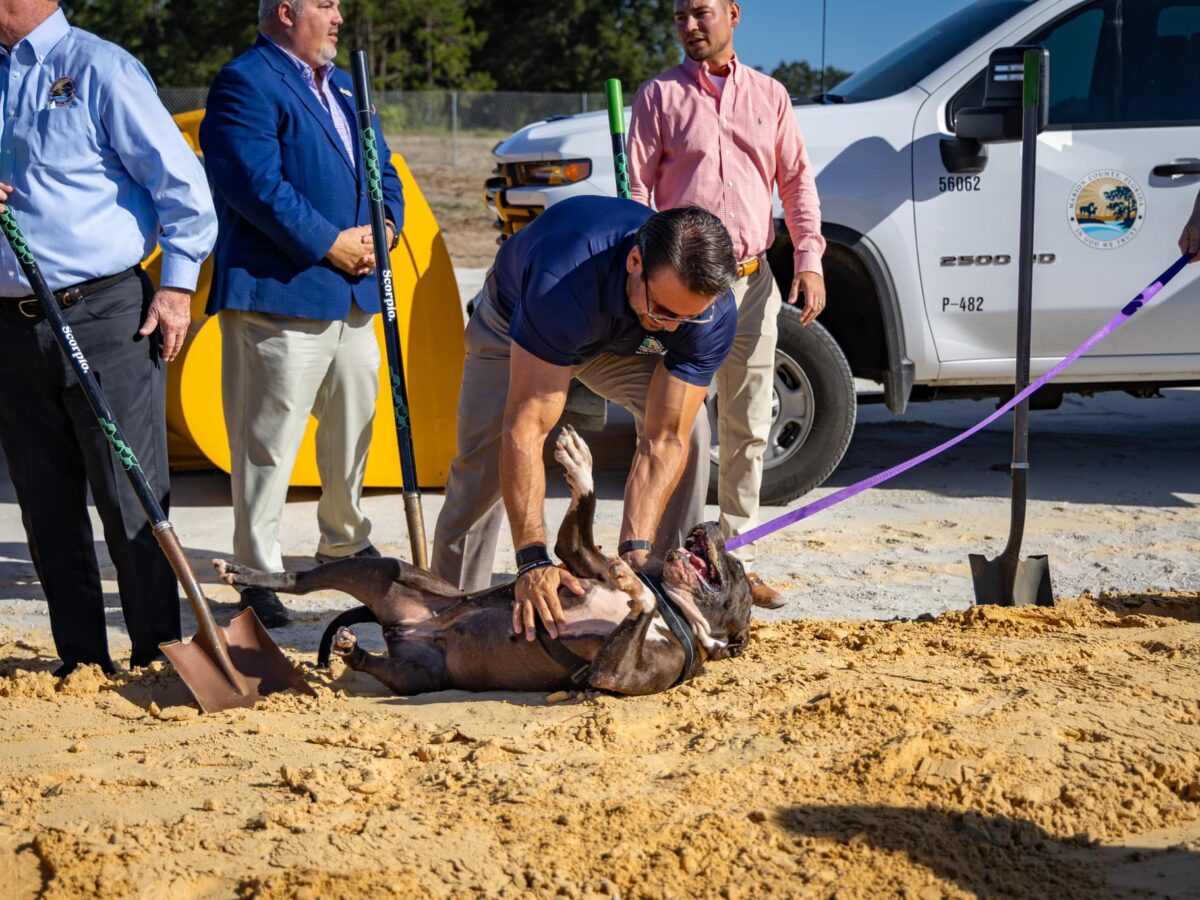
point(182, 43)
point(416, 44)
point(575, 45)
point(802, 80)
point(411, 43)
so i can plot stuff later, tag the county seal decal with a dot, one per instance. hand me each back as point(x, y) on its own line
point(62, 91)
point(1106, 209)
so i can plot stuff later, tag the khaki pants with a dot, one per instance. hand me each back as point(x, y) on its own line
point(469, 526)
point(744, 384)
point(276, 370)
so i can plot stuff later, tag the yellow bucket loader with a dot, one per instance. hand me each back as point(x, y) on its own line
point(429, 312)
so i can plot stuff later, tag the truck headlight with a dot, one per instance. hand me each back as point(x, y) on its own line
point(551, 172)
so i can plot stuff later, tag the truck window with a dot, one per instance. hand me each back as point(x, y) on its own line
point(913, 60)
point(1116, 63)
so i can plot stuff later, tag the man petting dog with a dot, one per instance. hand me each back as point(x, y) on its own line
point(623, 634)
point(637, 307)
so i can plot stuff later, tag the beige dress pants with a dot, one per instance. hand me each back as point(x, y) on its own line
point(744, 385)
point(469, 526)
point(275, 371)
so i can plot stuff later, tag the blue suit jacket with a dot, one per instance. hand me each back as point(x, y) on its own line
point(284, 189)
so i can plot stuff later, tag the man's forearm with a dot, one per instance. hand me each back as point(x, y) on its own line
point(657, 467)
point(523, 486)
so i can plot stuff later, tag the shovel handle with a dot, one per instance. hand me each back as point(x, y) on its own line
point(402, 413)
point(415, 517)
point(616, 128)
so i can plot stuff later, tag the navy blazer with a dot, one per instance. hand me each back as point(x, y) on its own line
point(284, 189)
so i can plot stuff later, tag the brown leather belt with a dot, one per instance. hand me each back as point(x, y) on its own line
point(31, 308)
point(748, 267)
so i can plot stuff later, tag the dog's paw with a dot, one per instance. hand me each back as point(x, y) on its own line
point(232, 573)
point(622, 577)
point(572, 453)
point(344, 642)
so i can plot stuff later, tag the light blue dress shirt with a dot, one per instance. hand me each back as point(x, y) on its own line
point(99, 169)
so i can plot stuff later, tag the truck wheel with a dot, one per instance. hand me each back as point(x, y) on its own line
point(812, 413)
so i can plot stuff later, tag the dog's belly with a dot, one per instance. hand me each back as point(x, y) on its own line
point(482, 653)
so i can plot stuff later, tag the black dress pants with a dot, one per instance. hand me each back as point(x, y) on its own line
point(56, 450)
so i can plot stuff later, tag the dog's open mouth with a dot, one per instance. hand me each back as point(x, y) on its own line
point(700, 559)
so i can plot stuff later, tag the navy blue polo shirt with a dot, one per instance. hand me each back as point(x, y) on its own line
point(561, 284)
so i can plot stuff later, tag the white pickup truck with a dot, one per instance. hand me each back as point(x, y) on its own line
point(922, 226)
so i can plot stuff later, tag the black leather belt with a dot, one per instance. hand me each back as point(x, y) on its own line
point(31, 308)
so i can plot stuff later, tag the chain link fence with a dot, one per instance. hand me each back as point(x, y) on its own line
point(445, 114)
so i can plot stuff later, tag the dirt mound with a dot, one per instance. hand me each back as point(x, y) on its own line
point(992, 751)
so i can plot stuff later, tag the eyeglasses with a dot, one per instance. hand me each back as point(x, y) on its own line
point(702, 319)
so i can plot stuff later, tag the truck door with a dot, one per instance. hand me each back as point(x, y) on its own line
point(1122, 102)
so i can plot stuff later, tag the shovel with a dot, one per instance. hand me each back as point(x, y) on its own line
point(222, 667)
point(413, 511)
point(1009, 580)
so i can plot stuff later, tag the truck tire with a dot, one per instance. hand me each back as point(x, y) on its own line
point(812, 411)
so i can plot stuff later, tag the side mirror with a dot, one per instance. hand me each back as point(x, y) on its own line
point(1004, 100)
point(964, 156)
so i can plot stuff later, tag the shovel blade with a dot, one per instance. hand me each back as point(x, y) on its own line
point(260, 668)
point(997, 583)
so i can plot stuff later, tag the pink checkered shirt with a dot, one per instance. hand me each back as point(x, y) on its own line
point(689, 144)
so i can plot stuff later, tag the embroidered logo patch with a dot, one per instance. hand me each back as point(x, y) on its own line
point(62, 91)
point(651, 347)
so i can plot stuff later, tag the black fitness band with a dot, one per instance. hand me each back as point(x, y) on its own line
point(532, 553)
point(630, 546)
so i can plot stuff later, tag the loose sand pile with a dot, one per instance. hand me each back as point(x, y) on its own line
point(990, 752)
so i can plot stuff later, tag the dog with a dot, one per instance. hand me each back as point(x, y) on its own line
point(628, 633)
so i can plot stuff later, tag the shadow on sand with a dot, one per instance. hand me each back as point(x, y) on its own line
point(996, 856)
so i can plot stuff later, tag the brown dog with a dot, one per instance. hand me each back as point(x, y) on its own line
point(439, 638)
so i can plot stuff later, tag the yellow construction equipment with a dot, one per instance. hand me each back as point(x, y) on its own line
point(431, 336)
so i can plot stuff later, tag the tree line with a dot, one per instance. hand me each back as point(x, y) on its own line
point(568, 45)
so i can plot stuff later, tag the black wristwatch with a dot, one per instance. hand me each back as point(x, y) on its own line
point(532, 553)
point(633, 546)
point(395, 234)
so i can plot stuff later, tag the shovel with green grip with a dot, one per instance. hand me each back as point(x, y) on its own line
point(223, 667)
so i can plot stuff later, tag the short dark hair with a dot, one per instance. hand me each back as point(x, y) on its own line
point(693, 244)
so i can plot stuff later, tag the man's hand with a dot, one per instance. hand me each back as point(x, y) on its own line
point(170, 310)
point(352, 251)
point(538, 590)
point(1189, 241)
point(5, 190)
point(636, 559)
point(813, 287)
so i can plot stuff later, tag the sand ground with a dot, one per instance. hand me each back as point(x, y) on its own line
point(984, 753)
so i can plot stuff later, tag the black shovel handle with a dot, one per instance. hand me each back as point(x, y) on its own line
point(164, 533)
point(387, 296)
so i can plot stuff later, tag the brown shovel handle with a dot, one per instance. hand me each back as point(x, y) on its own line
point(416, 530)
point(207, 633)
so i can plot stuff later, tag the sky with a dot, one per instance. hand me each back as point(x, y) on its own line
point(858, 31)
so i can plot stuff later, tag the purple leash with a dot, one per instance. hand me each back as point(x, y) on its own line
point(797, 515)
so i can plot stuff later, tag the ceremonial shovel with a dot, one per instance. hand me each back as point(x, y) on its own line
point(1017, 85)
point(222, 667)
point(413, 512)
